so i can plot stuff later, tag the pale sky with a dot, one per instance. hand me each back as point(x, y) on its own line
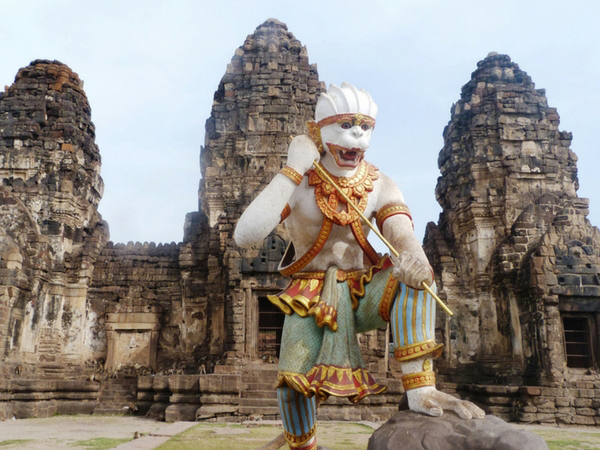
point(151, 68)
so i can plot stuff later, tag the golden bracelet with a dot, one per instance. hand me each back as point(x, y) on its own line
point(292, 174)
point(418, 379)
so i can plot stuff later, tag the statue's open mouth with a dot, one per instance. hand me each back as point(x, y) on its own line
point(346, 157)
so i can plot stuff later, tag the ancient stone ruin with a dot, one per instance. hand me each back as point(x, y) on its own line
point(514, 254)
point(184, 331)
point(51, 232)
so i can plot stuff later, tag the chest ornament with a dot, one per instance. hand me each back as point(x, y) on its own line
point(356, 189)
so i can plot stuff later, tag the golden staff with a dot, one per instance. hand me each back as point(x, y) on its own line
point(324, 173)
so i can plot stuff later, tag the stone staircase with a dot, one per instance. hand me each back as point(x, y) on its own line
point(117, 396)
point(259, 396)
point(54, 370)
point(234, 396)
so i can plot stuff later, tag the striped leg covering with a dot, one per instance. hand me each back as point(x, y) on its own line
point(299, 417)
point(413, 324)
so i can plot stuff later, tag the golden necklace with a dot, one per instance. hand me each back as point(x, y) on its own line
point(356, 188)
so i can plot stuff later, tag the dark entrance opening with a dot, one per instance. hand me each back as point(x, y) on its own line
point(578, 340)
point(270, 327)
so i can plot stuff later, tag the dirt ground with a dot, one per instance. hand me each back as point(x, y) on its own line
point(104, 432)
point(72, 432)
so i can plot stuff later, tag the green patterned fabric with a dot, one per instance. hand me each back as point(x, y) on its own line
point(340, 348)
point(300, 344)
point(304, 344)
point(367, 314)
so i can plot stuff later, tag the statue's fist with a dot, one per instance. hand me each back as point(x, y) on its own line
point(302, 153)
point(411, 271)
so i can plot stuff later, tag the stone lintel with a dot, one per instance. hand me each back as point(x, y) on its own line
point(126, 318)
point(136, 326)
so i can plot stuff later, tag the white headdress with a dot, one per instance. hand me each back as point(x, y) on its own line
point(345, 100)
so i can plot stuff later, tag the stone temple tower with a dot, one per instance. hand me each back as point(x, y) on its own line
point(508, 178)
point(51, 230)
point(266, 96)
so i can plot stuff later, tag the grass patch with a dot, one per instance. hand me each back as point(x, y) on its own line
point(101, 443)
point(219, 436)
point(213, 436)
point(569, 444)
point(14, 441)
point(569, 439)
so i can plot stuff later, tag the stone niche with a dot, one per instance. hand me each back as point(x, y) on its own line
point(132, 332)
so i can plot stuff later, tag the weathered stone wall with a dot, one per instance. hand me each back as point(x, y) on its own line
point(574, 405)
point(561, 276)
point(142, 279)
point(27, 398)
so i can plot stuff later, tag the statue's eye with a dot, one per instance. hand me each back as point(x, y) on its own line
point(346, 125)
point(365, 127)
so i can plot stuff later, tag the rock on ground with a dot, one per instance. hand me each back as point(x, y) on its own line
point(408, 430)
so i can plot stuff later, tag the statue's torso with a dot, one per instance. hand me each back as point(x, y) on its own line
point(341, 248)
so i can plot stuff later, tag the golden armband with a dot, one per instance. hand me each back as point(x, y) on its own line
point(390, 210)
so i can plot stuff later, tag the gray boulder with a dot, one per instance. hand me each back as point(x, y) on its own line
point(408, 430)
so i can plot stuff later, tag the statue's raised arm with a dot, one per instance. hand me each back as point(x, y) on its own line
point(269, 207)
point(339, 284)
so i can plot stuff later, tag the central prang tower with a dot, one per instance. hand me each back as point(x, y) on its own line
point(265, 98)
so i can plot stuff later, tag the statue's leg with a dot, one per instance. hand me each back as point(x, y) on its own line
point(411, 314)
point(412, 319)
point(299, 417)
point(300, 344)
point(413, 330)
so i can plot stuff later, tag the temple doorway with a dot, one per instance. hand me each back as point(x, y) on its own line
point(270, 327)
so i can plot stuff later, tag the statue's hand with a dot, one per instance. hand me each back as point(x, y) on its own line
point(302, 153)
point(428, 400)
point(411, 271)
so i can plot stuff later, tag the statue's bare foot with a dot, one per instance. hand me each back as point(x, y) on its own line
point(428, 400)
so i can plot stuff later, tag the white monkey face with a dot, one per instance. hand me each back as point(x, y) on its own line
point(346, 141)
